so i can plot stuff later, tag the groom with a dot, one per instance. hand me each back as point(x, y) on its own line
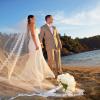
point(53, 44)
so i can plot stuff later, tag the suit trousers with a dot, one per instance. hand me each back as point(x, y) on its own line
point(54, 59)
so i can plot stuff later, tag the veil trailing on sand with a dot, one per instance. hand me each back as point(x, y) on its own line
point(20, 68)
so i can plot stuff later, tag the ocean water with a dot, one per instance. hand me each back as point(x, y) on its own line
point(91, 58)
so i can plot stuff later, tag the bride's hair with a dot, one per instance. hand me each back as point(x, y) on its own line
point(28, 18)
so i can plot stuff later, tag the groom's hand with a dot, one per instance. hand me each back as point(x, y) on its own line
point(42, 45)
point(59, 47)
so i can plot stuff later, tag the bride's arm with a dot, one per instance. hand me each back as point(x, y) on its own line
point(34, 36)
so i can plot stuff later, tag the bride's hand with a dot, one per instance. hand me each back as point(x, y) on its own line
point(37, 48)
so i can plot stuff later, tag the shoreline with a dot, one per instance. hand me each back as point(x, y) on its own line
point(73, 53)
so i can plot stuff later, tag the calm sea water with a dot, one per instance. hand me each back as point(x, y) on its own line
point(91, 58)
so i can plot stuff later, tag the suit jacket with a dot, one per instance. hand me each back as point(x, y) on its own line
point(52, 41)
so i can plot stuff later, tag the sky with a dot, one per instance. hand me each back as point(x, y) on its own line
point(75, 18)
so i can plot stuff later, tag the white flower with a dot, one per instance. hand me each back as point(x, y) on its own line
point(67, 81)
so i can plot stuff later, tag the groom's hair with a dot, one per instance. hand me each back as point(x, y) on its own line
point(47, 16)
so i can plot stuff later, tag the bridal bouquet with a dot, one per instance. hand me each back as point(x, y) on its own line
point(67, 82)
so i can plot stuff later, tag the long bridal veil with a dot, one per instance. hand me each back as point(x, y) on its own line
point(20, 68)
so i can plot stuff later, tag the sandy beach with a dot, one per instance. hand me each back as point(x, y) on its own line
point(88, 78)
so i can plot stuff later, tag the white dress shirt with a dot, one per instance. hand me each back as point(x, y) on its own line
point(50, 27)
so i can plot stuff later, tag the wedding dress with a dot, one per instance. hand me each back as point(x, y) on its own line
point(36, 67)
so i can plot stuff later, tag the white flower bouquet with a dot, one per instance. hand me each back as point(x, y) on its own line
point(67, 82)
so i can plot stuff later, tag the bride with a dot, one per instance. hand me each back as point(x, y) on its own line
point(39, 68)
point(36, 68)
point(29, 70)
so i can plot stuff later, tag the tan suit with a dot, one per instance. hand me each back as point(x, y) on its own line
point(53, 46)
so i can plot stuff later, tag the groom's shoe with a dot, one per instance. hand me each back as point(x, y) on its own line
point(60, 71)
point(56, 75)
